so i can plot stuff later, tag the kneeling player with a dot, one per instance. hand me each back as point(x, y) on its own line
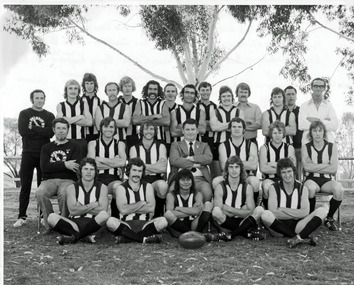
point(136, 204)
point(87, 202)
point(234, 207)
point(185, 209)
point(288, 205)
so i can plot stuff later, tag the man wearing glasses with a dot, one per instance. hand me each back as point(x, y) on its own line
point(318, 109)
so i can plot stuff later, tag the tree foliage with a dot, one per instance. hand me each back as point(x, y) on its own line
point(345, 143)
point(190, 34)
point(12, 146)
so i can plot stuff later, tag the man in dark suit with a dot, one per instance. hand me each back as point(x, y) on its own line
point(193, 155)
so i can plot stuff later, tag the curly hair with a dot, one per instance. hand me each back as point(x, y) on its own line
point(232, 160)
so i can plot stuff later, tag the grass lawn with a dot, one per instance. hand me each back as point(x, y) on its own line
point(36, 259)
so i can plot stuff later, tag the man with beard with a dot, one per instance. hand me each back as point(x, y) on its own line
point(127, 86)
point(90, 86)
point(35, 128)
point(120, 112)
point(136, 205)
point(59, 163)
point(76, 112)
point(87, 201)
point(152, 108)
point(188, 110)
point(278, 112)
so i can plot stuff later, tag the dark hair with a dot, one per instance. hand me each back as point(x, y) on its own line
point(106, 121)
point(290, 87)
point(110, 83)
point(71, 82)
point(125, 80)
point(190, 121)
point(89, 77)
point(318, 78)
point(243, 86)
point(184, 173)
point(277, 125)
point(285, 163)
point(170, 84)
point(60, 120)
point(232, 160)
point(137, 161)
point(191, 86)
point(275, 91)
point(83, 162)
point(36, 91)
point(144, 92)
point(224, 89)
point(204, 84)
point(315, 125)
point(238, 120)
point(147, 124)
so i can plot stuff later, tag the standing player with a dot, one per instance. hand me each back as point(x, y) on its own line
point(153, 153)
point(279, 112)
point(170, 92)
point(59, 163)
point(193, 155)
point(188, 110)
point(76, 113)
point(90, 86)
point(219, 122)
point(204, 89)
point(320, 160)
point(270, 153)
point(127, 86)
point(184, 208)
point(245, 149)
point(291, 96)
point(35, 128)
point(252, 113)
point(234, 207)
point(152, 108)
point(87, 201)
point(136, 205)
point(288, 213)
point(120, 112)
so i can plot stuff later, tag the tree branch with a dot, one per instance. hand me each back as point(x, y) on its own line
point(216, 65)
point(179, 67)
point(331, 30)
point(242, 70)
point(122, 54)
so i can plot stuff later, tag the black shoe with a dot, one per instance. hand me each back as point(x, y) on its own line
point(153, 239)
point(329, 223)
point(295, 241)
point(211, 237)
point(66, 239)
point(256, 234)
point(122, 239)
point(225, 236)
point(89, 239)
point(312, 240)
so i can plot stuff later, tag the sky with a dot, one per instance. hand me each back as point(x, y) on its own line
point(23, 71)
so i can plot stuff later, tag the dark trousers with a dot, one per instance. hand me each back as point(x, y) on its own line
point(29, 162)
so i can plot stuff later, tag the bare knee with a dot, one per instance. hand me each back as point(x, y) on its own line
point(321, 212)
point(161, 189)
point(217, 214)
point(257, 212)
point(112, 224)
point(53, 219)
point(160, 224)
point(267, 217)
point(102, 217)
point(338, 192)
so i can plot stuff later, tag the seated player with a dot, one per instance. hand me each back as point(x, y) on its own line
point(320, 161)
point(153, 153)
point(193, 155)
point(244, 149)
point(234, 208)
point(110, 156)
point(288, 204)
point(87, 201)
point(136, 204)
point(184, 206)
point(270, 153)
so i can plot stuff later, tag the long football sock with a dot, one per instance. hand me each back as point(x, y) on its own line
point(312, 202)
point(65, 228)
point(333, 206)
point(90, 228)
point(265, 203)
point(149, 230)
point(180, 226)
point(159, 208)
point(311, 226)
point(203, 220)
point(125, 231)
point(246, 224)
point(282, 228)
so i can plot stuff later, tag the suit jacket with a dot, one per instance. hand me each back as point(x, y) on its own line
point(180, 150)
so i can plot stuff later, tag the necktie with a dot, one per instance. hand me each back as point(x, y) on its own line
point(191, 151)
